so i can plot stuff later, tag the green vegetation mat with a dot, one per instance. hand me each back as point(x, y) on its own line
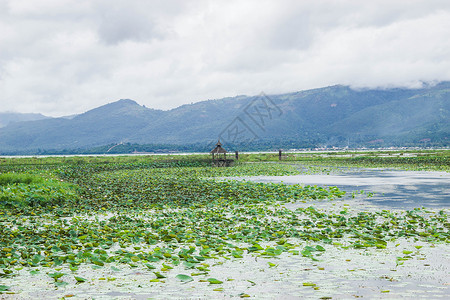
point(158, 215)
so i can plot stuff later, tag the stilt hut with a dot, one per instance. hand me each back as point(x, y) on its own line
point(219, 156)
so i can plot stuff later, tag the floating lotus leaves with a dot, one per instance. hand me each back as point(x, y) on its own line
point(56, 275)
point(214, 281)
point(184, 278)
point(79, 279)
point(4, 288)
point(159, 275)
point(60, 283)
point(309, 284)
point(154, 215)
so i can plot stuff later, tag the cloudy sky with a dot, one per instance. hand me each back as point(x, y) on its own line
point(60, 57)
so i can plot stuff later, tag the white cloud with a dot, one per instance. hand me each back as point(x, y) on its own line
point(67, 56)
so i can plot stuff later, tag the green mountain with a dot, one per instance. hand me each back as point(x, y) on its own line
point(331, 116)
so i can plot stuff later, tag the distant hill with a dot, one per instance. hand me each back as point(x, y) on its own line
point(330, 116)
point(110, 123)
point(10, 117)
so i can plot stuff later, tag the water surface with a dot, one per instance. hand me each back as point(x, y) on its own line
point(391, 188)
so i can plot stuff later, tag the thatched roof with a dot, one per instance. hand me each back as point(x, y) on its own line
point(218, 149)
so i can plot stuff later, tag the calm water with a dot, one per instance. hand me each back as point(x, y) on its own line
point(391, 188)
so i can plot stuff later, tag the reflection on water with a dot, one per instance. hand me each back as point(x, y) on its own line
point(391, 188)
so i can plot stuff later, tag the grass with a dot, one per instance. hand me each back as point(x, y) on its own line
point(33, 194)
point(14, 178)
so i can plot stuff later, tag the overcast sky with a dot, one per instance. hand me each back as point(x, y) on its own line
point(61, 57)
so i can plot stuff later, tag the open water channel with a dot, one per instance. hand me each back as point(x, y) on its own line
point(385, 188)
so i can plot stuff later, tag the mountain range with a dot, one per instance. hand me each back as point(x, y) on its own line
point(330, 116)
point(9, 117)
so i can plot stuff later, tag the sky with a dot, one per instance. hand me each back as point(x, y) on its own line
point(63, 57)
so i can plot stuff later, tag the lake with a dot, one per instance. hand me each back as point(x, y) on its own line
point(391, 188)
